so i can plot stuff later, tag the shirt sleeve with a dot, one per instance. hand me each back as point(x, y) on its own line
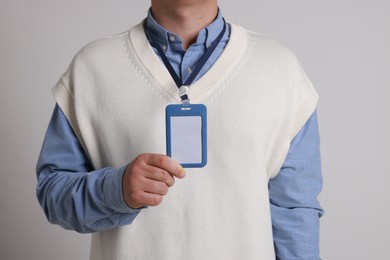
point(295, 209)
point(73, 194)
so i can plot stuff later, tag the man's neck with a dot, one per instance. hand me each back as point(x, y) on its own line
point(185, 17)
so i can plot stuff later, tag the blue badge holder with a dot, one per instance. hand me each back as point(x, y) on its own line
point(186, 134)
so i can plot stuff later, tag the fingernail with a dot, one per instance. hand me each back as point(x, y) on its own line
point(182, 171)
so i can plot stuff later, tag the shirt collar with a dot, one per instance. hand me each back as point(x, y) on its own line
point(205, 37)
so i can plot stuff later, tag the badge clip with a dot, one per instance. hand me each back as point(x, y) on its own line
point(183, 93)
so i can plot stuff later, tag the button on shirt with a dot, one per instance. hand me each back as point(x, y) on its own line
point(183, 61)
point(97, 204)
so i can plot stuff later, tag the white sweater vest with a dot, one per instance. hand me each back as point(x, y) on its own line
point(114, 94)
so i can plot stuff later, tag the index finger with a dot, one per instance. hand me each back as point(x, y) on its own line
point(166, 163)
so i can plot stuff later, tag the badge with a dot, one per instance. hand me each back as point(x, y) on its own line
point(186, 134)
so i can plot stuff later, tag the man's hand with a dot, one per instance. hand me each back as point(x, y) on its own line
point(147, 179)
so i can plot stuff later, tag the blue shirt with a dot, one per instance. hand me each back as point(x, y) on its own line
point(76, 199)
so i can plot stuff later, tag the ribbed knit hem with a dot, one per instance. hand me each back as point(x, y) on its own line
point(66, 101)
point(303, 113)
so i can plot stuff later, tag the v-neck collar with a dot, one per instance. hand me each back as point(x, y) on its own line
point(204, 87)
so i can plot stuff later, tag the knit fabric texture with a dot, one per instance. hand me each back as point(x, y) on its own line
point(258, 97)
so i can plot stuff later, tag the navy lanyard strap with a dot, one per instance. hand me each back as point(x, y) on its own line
point(200, 64)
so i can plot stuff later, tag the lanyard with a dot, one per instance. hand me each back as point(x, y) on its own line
point(183, 86)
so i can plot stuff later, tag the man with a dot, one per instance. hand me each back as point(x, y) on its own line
point(102, 168)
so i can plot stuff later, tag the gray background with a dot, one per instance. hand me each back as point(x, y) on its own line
point(342, 44)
